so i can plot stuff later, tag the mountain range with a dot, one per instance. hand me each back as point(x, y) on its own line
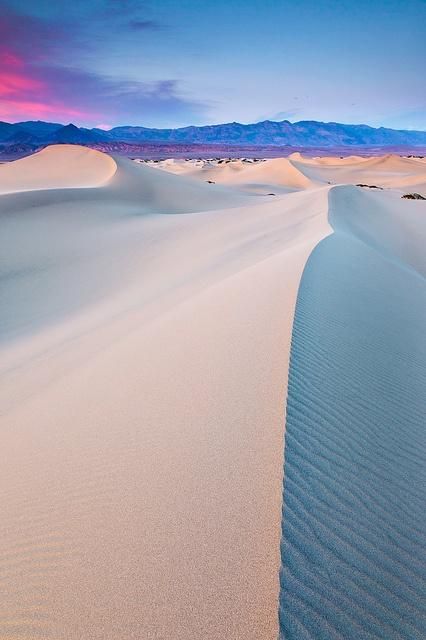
point(307, 133)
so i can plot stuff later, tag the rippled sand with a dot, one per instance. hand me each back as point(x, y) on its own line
point(145, 329)
point(354, 523)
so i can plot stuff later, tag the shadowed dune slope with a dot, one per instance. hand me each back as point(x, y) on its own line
point(62, 249)
point(164, 192)
point(354, 524)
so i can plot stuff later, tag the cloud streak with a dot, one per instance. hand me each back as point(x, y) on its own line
point(144, 25)
point(36, 82)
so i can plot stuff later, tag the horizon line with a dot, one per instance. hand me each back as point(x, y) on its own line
point(200, 126)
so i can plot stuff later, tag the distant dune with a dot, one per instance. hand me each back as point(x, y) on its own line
point(57, 167)
point(277, 172)
point(385, 171)
point(146, 322)
point(299, 172)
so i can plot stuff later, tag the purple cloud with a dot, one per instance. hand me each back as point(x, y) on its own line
point(34, 83)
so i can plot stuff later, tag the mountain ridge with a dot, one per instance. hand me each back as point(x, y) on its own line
point(267, 132)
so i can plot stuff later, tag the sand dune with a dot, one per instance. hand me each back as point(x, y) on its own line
point(283, 175)
point(145, 334)
point(143, 408)
point(387, 171)
point(354, 521)
point(278, 173)
point(166, 193)
point(57, 167)
point(327, 160)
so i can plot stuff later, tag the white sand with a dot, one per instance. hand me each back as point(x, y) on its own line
point(278, 174)
point(57, 167)
point(145, 332)
point(387, 171)
point(283, 175)
point(143, 390)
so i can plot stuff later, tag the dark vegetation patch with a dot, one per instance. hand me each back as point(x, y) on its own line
point(413, 196)
point(369, 186)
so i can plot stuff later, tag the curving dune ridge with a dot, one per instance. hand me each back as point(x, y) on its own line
point(57, 167)
point(146, 321)
point(354, 525)
point(142, 404)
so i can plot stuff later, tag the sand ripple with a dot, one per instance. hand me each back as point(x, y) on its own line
point(354, 525)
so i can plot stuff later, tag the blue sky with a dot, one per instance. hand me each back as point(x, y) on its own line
point(168, 63)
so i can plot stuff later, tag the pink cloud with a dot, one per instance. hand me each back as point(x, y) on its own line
point(16, 109)
point(9, 58)
point(25, 93)
point(37, 81)
point(14, 83)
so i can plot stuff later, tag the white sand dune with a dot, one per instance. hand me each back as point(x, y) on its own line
point(144, 360)
point(387, 171)
point(57, 167)
point(295, 173)
point(326, 160)
point(354, 523)
point(166, 193)
point(277, 173)
point(145, 332)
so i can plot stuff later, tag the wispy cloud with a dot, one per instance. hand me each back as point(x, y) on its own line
point(145, 25)
point(37, 82)
point(289, 114)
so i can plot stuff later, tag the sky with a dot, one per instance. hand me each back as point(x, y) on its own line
point(170, 63)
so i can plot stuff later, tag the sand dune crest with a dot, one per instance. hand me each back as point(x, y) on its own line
point(57, 167)
point(145, 334)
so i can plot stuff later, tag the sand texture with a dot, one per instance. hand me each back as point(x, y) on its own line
point(145, 337)
point(146, 318)
point(354, 523)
